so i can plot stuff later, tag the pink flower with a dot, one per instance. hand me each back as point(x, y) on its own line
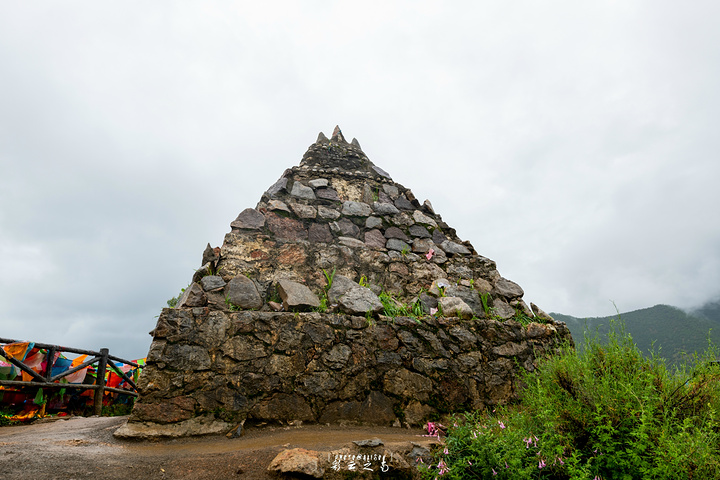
point(494, 472)
point(502, 425)
point(430, 254)
point(433, 311)
point(541, 464)
point(446, 451)
point(469, 463)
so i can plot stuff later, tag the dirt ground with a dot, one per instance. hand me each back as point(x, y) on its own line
point(81, 448)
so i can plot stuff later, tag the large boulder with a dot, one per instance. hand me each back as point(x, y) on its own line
point(360, 301)
point(454, 307)
point(296, 296)
point(242, 292)
point(298, 461)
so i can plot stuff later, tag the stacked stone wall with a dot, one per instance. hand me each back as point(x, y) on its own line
point(209, 370)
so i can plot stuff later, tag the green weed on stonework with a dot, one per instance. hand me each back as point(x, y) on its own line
point(231, 306)
point(602, 412)
point(395, 308)
point(323, 307)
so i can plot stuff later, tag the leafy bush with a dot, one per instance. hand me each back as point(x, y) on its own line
point(603, 412)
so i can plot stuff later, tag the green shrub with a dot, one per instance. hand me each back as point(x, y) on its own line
point(603, 412)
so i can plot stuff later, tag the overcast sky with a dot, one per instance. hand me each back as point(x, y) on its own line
point(574, 143)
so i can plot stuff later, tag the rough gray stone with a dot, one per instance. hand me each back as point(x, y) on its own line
point(381, 172)
point(397, 244)
point(351, 242)
point(249, 219)
point(395, 232)
point(338, 356)
point(356, 209)
point(200, 425)
point(419, 231)
point(422, 245)
point(187, 357)
point(439, 256)
point(385, 208)
point(359, 301)
point(339, 287)
point(278, 205)
point(193, 296)
point(242, 292)
point(212, 282)
point(345, 228)
point(296, 295)
point(370, 443)
point(469, 296)
point(402, 219)
point(540, 314)
point(420, 217)
point(319, 233)
point(328, 213)
point(303, 211)
point(391, 190)
point(327, 194)
point(502, 309)
point(244, 348)
point(318, 182)
point(277, 187)
point(298, 461)
point(508, 289)
point(210, 255)
point(373, 222)
point(427, 205)
point(301, 191)
point(403, 203)
point(375, 239)
point(454, 248)
point(454, 307)
point(286, 229)
point(438, 237)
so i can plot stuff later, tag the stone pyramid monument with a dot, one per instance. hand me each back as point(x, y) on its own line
point(339, 298)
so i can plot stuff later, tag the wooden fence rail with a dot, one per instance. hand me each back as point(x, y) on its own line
point(47, 380)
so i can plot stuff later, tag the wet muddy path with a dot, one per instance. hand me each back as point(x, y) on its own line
point(84, 448)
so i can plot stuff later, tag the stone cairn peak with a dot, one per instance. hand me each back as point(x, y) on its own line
point(338, 298)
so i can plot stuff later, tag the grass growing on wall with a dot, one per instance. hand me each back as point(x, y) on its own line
point(604, 412)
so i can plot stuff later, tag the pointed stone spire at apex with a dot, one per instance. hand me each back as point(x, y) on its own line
point(356, 144)
point(337, 135)
point(322, 138)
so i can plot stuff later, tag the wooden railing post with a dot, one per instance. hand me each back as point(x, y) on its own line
point(100, 391)
point(50, 359)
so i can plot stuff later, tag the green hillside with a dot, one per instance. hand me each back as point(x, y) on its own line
point(674, 331)
point(710, 312)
